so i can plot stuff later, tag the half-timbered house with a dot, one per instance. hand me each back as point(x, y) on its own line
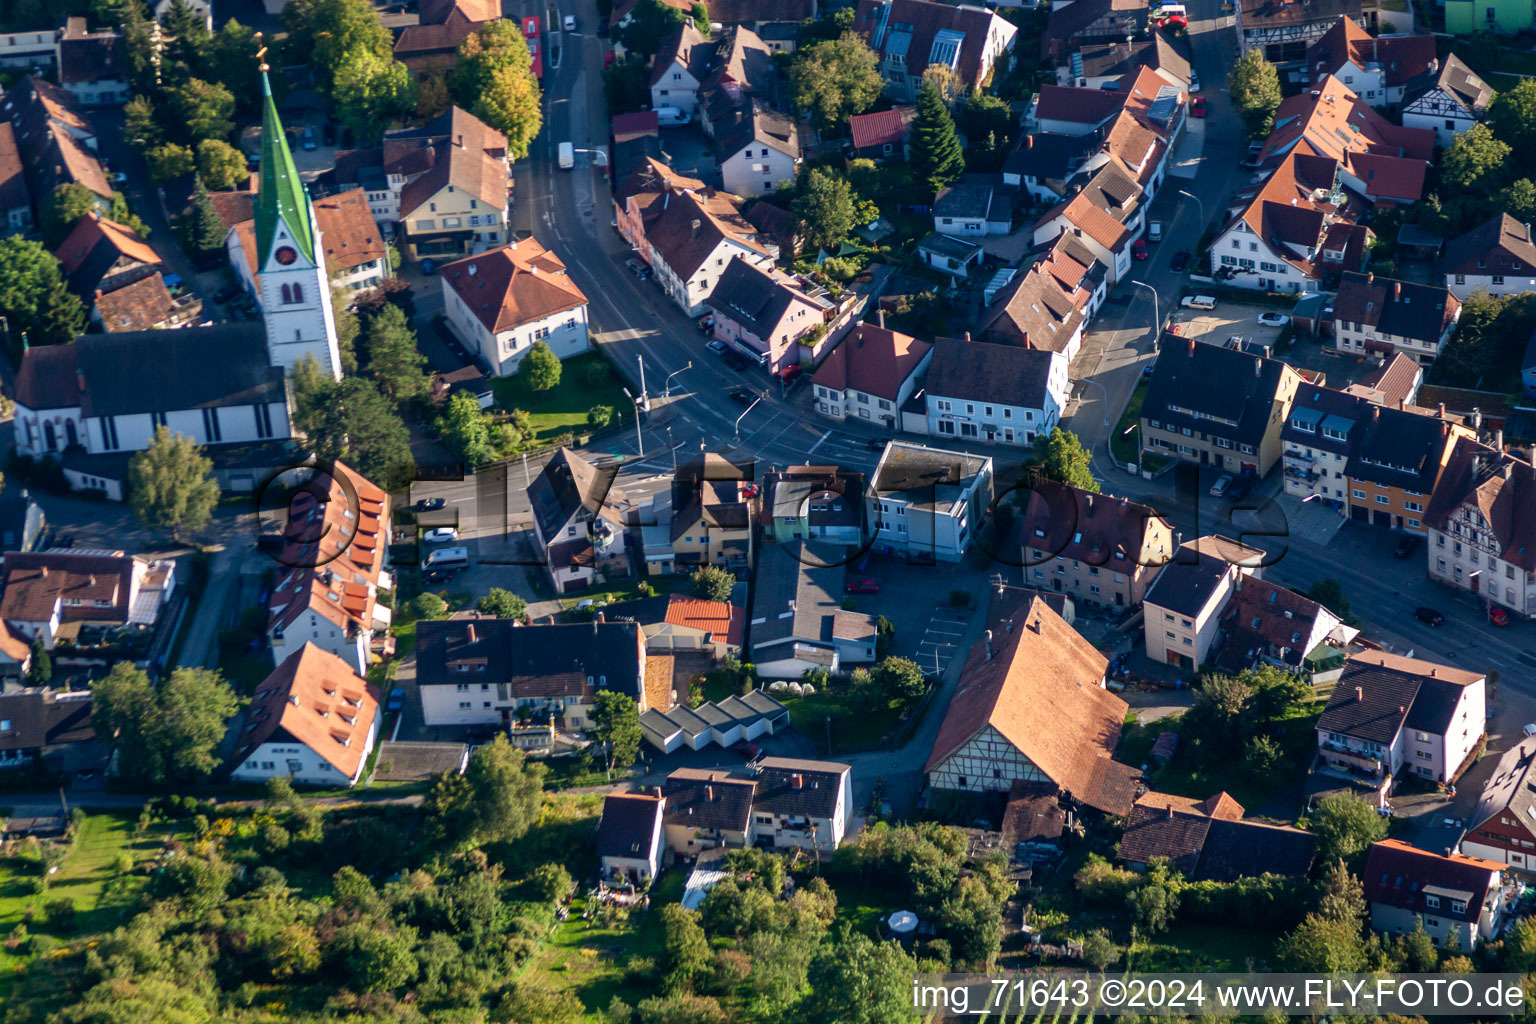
point(1283, 29)
point(1448, 99)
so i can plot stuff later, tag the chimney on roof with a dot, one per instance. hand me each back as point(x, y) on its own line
point(880, 317)
point(80, 379)
point(600, 617)
point(989, 645)
point(797, 780)
point(1360, 693)
point(1258, 366)
point(1397, 289)
point(1498, 440)
point(697, 224)
point(1432, 672)
point(1402, 404)
point(1440, 409)
point(45, 572)
point(1370, 278)
point(709, 792)
point(1477, 418)
point(92, 579)
point(471, 632)
point(1034, 625)
point(460, 142)
point(1170, 810)
point(1191, 346)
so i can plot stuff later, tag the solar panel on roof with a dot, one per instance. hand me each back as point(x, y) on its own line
point(1162, 108)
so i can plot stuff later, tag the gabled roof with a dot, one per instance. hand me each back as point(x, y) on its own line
point(437, 11)
point(1379, 692)
point(983, 372)
point(692, 224)
point(1398, 875)
point(42, 717)
point(629, 826)
point(1396, 381)
point(687, 46)
point(913, 27)
point(348, 230)
point(1511, 789)
point(723, 621)
point(100, 243)
point(708, 799)
point(1499, 245)
point(730, 12)
point(1248, 849)
point(1266, 618)
point(1332, 120)
point(1099, 529)
point(794, 786)
point(1090, 107)
point(1187, 583)
point(88, 57)
point(1400, 58)
point(570, 484)
point(141, 306)
point(1210, 387)
point(519, 283)
point(541, 660)
point(1091, 21)
point(1457, 81)
point(1036, 309)
point(39, 583)
point(761, 125)
point(654, 179)
point(317, 699)
point(882, 127)
point(798, 601)
point(1262, 14)
point(760, 298)
point(1051, 156)
point(1501, 486)
point(1399, 448)
point(13, 182)
point(873, 360)
point(1119, 58)
point(433, 44)
point(456, 149)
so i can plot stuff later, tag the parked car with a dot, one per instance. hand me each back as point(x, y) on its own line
point(1197, 108)
point(706, 323)
point(1405, 546)
point(736, 361)
point(789, 373)
point(1429, 615)
point(1139, 250)
point(1194, 80)
point(750, 751)
point(1274, 319)
point(1240, 487)
point(441, 535)
point(1498, 616)
point(717, 347)
point(743, 396)
point(1155, 231)
point(862, 587)
point(638, 267)
point(396, 699)
point(308, 138)
point(1219, 488)
point(430, 504)
point(1179, 262)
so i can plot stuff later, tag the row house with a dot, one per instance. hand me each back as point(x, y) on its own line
point(871, 374)
point(313, 721)
point(1317, 440)
point(503, 301)
point(742, 76)
point(579, 521)
point(1267, 624)
point(1283, 29)
point(1458, 900)
point(1072, 25)
point(336, 542)
point(1216, 406)
point(1382, 162)
point(1047, 305)
point(51, 595)
point(629, 837)
point(1497, 257)
point(757, 150)
point(1106, 217)
point(706, 518)
point(680, 66)
point(491, 671)
point(1383, 317)
point(931, 501)
point(1482, 527)
point(1032, 706)
point(1102, 65)
point(1092, 547)
point(798, 621)
point(1378, 70)
point(817, 503)
point(93, 66)
point(773, 319)
point(1502, 828)
point(1000, 394)
point(1296, 232)
point(910, 35)
point(780, 802)
point(1446, 99)
point(1390, 715)
point(1181, 611)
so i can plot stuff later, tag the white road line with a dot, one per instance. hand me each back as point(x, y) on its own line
point(812, 450)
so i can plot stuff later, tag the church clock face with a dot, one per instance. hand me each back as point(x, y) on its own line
point(286, 255)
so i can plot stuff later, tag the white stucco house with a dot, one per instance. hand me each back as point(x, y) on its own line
point(502, 301)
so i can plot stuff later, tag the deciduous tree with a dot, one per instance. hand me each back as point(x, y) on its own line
point(540, 368)
point(330, 30)
point(1345, 827)
point(1324, 945)
point(220, 164)
point(616, 722)
point(899, 679)
point(170, 486)
point(1476, 160)
point(1512, 115)
point(650, 24)
point(835, 79)
point(169, 160)
point(392, 358)
point(33, 298)
point(685, 948)
point(167, 732)
point(826, 208)
point(1064, 459)
point(855, 980)
point(465, 430)
point(370, 92)
point(503, 604)
point(493, 78)
point(1254, 85)
point(713, 583)
point(67, 205)
point(202, 110)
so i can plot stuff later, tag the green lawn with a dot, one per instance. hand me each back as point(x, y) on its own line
point(863, 905)
point(1125, 441)
point(852, 728)
point(1204, 947)
point(628, 589)
point(585, 381)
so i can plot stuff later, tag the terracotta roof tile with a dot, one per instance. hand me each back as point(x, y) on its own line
point(320, 701)
point(873, 360)
point(93, 230)
point(38, 582)
point(514, 284)
point(883, 127)
point(141, 306)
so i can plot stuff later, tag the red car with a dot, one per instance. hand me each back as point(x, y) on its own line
point(789, 373)
point(607, 60)
point(862, 587)
point(1139, 250)
point(1197, 108)
point(1498, 616)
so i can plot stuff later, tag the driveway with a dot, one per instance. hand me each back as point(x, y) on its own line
point(1227, 320)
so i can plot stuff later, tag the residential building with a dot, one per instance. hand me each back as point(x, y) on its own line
point(642, 196)
point(93, 67)
point(1502, 827)
point(1267, 624)
point(1134, 122)
point(679, 68)
point(1505, 17)
point(1043, 162)
point(742, 77)
point(757, 151)
point(145, 305)
point(1283, 29)
point(815, 503)
point(707, 809)
point(773, 319)
point(22, 522)
point(100, 255)
point(1395, 463)
point(1106, 217)
point(1391, 715)
point(1457, 900)
point(356, 257)
point(26, 51)
point(314, 720)
point(1093, 547)
point(40, 724)
point(1497, 257)
point(453, 178)
point(970, 210)
point(1378, 70)
point(799, 804)
point(579, 520)
point(1395, 383)
point(1031, 706)
point(870, 375)
point(931, 501)
point(675, 623)
point(335, 544)
point(629, 842)
point(1385, 316)
point(15, 198)
point(1528, 368)
point(1209, 840)
point(950, 255)
point(1447, 100)
point(1101, 64)
point(798, 620)
point(1376, 159)
point(1318, 443)
point(1091, 21)
point(1005, 394)
point(1481, 526)
point(910, 35)
point(57, 143)
point(707, 519)
point(432, 43)
point(1182, 608)
point(1047, 305)
point(883, 135)
point(491, 671)
point(502, 301)
point(1217, 406)
point(771, 16)
point(51, 595)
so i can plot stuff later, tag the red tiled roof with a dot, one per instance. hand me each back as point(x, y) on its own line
point(345, 540)
point(95, 228)
point(881, 127)
point(141, 306)
point(515, 284)
point(721, 619)
point(1402, 58)
point(872, 360)
point(320, 701)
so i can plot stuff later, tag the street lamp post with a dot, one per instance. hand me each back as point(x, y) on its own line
point(639, 440)
point(1102, 392)
point(1157, 322)
point(1191, 195)
point(667, 386)
point(743, 416)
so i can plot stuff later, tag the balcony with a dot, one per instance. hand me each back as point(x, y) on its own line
point(1356, 762)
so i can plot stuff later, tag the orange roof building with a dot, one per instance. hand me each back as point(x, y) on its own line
point(335, 545)
point(354, 248)
point(502, 301)
point(313, 720)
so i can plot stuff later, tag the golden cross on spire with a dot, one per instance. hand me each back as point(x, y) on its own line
point(261, 54)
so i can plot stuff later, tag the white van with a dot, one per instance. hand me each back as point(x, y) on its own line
point(567, 156)
point(671, 117)
point(1198, 302)
point(446, 558)
point(1170, 11)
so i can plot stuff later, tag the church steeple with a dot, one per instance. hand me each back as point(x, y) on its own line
point(281, 199)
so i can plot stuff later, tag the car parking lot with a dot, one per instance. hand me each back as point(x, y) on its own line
point(1215, 326)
